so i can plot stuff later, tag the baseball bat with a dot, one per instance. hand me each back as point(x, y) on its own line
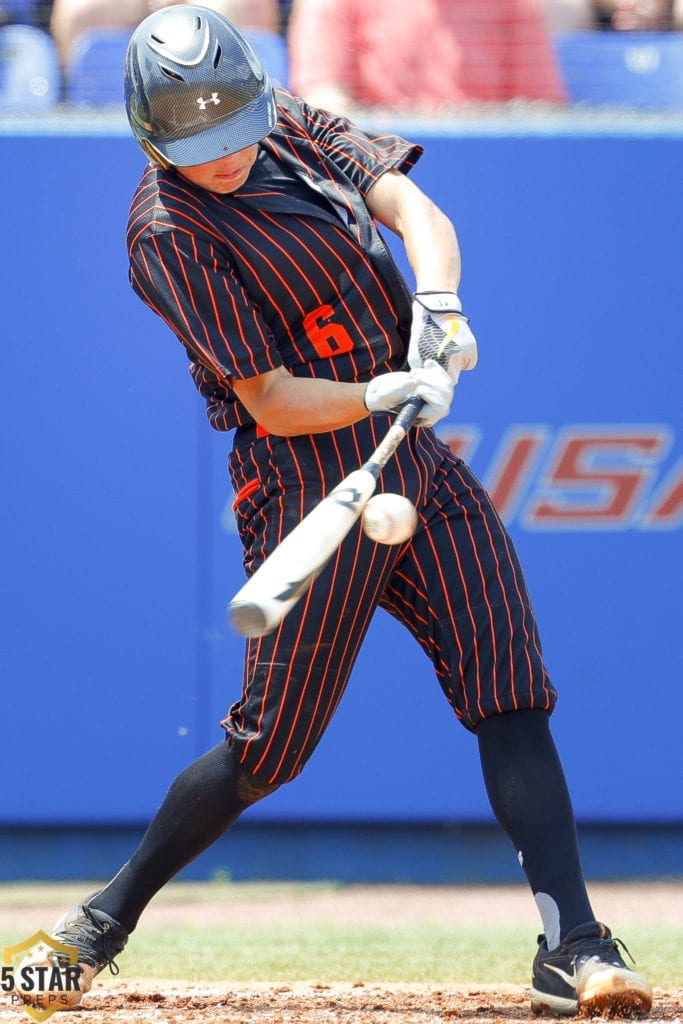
point(287, 573)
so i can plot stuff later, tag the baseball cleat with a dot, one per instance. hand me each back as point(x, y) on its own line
point(96, 936)
point(586, 975)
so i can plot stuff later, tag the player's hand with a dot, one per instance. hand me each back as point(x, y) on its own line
point(431, 383)
point(435, 387)
point(441, 331)
point(389, 391)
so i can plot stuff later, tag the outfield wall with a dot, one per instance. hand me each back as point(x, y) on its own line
point(118, 546)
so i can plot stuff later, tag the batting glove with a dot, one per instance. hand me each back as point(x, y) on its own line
point(431, 383)
point(441, 331)
point(389, 391)
point(435, 387)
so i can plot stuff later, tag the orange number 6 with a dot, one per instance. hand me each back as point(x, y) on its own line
point(328, 339)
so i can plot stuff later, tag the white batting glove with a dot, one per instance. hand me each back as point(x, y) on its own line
point(431, 383)
point(435, 387)
point(389, 391)
point(441, 331)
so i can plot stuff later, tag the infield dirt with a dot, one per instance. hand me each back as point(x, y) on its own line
point(149, 1001)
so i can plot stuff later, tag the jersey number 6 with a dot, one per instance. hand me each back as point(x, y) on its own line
point(327, 338)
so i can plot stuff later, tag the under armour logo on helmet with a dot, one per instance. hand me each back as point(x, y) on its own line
point(212, 99)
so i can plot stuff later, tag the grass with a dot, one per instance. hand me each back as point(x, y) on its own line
point(291, 951)
point(422, 954)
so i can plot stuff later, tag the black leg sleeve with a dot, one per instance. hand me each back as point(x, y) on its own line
point(204, 801)
point(526, 786)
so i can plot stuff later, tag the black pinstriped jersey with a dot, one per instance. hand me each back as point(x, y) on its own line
point(289, 270)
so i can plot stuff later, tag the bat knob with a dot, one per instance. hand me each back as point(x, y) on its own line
point(248, 619)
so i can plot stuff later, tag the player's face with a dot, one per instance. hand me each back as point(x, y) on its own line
point(224, 175)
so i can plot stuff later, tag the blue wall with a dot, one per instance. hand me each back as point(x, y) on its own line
point(118, 550)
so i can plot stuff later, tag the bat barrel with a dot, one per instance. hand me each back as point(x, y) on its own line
point(249, 619)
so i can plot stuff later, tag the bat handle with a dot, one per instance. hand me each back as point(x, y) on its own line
point(402, 423)
point(409, 413)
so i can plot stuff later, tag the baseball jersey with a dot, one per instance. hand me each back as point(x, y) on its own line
point(289, 270)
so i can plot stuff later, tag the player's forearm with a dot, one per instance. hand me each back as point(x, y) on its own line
point(288, 406)
point(432, 248)
point(429, 237)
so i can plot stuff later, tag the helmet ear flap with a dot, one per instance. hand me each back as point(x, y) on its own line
point(154, 155)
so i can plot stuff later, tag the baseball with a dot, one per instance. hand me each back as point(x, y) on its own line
point(389, 519)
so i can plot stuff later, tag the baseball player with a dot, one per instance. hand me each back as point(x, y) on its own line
point(254, 234)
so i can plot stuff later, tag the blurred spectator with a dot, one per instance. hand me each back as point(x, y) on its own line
point(637, 15)
point(71, 17)
point(620, 15)
point(569, 15)
point(426, 57)
point(26, 12)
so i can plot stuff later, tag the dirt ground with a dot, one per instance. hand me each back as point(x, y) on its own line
point(145, 1001)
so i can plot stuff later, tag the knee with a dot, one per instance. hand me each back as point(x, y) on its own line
point(220, 771)
point(251, 788)
point(525, 724)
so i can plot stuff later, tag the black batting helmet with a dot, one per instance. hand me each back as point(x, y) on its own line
point(194, 88)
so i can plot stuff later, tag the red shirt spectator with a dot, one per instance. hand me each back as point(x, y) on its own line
point(423, 57)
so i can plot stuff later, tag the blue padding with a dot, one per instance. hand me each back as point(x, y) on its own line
point(30, 75)
point(118, 549)
point(636, 69)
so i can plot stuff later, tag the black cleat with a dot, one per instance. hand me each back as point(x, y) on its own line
point(98, 939)
point(586, 975)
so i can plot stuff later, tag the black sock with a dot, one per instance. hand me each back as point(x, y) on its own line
point(205, 799)
point(528, 793)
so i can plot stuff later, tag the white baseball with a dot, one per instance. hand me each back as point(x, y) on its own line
point(389, 519)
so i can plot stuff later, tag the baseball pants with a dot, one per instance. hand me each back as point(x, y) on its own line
point(456, 585)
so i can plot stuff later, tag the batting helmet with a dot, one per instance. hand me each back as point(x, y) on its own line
point(194, 88)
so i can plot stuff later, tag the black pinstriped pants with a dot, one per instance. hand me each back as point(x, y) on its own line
point(457, 586)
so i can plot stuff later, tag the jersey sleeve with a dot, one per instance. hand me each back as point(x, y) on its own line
point(186, 280)
point(362, 155)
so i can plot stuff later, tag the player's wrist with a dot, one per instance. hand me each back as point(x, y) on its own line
point(436, 301)
point(365, 400)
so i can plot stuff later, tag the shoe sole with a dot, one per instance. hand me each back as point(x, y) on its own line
point(615, 993)
point(609, 993)
point(544, 1005)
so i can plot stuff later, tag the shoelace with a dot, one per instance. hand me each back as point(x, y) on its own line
point(619, 942)
point(87, 932)
point(611, 943)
